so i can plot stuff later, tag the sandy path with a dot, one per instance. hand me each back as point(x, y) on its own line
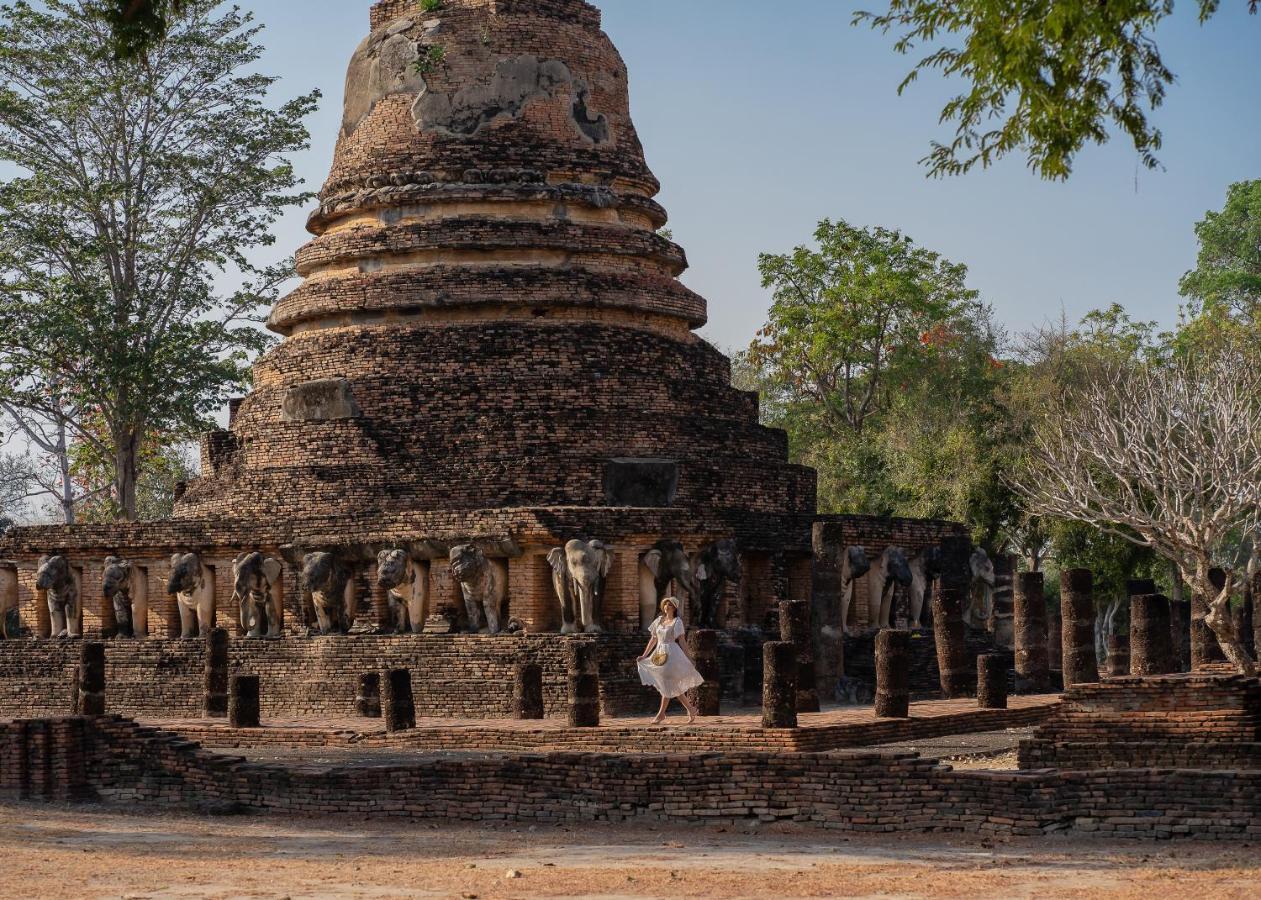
point(86, 852)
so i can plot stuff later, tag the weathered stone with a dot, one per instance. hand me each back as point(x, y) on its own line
point(216, 683)
point(92, 679)
point(949, 599)
point(1151, 652)
point(527, 691)
point(1032, 670)
point(1077, 611)
point(368, 697)
point(779, 685)
point(893, 674)
point(991, 680)
point(397, 702)
point(244, 709)
point(582, 669)
point(704, 646)
point(794, 628)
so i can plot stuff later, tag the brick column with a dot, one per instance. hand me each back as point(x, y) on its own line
point(949, 599)
point(1077, 613)
point(991, 681)
point(1151, 652)
point(216, 697)
point(92, 678)
point(381, 604)
point(582, 663)
point(779, 685)
point(893, 674)
point(1118, 665)
point(396, 700)
point(1004, 603)
point(368, 697)
point(1032, 673)
point(1180, 633)
point(243, 702)
point(794, 628)
point(527, 691)
point(707, 697)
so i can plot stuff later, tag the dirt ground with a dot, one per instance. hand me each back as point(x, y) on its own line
point(89, 852)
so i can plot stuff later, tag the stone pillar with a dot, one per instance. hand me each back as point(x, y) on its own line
point(1032, 673)
point(582, 662)
point(1151, 652)
point(829, 643)
point(950, 597)
point(779, 685)
point(893, 674)
point(1118, 655)
point(527, 691)
point(707, 697)
point(1205, 650)
point(991, 681)
point(1077, 613)
point(216, 697)
point(368, 699)
point(381, 604)
point(1004, 603)
point(1054, 640)
point(794, 628)
point(1180, 634)
point(397, 703)
point(92, 679)
point(243, 702)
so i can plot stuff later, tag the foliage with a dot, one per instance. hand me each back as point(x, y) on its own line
point(1227, 277)
point(164, 463)
point(433, 57)
point(431, 5)
point(141, 184)
point(1046, 77)
point(139, 24)
point(15, 486)
point(880, 363)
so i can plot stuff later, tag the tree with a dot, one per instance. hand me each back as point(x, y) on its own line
point(15, 487)
point(1045, 77)
point(142, 184)
point(1227, 276)
point(139, 24)
point(1165, 454)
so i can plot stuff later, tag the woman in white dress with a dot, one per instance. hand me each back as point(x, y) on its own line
point(666, 664)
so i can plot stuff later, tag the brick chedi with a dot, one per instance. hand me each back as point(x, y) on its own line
point(490, 344)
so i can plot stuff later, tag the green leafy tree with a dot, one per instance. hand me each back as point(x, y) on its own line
point(1227, 277)
point(142, 185)
point(139, 24)
point(1046, 78)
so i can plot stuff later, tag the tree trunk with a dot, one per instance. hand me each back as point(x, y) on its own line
point(67, 486)
point(1218, 616)
point(125, 472)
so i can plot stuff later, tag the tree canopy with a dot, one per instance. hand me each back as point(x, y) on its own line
point(141, 184)
point(1045, 77)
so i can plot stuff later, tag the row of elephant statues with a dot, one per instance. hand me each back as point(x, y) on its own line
point(580, 571)
point(916, 575)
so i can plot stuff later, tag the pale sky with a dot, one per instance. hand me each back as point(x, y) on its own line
point(762, 118)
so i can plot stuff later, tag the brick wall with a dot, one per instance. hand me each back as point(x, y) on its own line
point(117, 761)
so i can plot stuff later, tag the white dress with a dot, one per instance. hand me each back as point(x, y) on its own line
point(678, 675)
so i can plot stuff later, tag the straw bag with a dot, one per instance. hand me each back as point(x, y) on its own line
point(660, 655)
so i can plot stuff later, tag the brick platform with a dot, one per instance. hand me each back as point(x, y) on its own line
point(829, 730)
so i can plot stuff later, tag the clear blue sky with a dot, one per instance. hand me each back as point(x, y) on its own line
point(762, 118)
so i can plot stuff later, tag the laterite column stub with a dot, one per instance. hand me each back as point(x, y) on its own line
point(216, 696)
point(397, 702)
point(243, 702)
point(1032, 671)
point(1151, 652)
point(991, 680)
point(779, 685)
point(1077, 610)
point(527, 691)
point(704, 646)
point(582, 663)
point(794, 628)
point(893, 674)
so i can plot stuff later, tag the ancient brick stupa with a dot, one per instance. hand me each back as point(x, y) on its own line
point(490, 345)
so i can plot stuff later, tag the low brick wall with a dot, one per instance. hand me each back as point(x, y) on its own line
point(465, 676)
point(1204, 721)
point(117, 761)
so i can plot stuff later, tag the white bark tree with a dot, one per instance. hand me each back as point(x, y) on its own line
point(1166, 454)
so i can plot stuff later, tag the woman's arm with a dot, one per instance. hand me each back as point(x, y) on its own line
point(652, 642)
point(681, 643)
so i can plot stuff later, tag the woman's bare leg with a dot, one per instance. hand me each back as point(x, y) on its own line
point(691, 710)
point(661, 713)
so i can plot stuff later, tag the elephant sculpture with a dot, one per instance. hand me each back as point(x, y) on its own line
point(892, 570)
point(328, 587)
point(10, 622)
point(925, 570)
point(981, 604)
point(579, 572)
point(192, 583)
point(55, 577)
point(853, 567)
point(257, 590)
point(667, 561)
point(716, 565)
point(407, 589)
point(483, 585)
point(119, 585)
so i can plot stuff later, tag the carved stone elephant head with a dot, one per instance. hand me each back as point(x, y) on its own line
point(257, 586)
point(981, 606)
point(716, 565)
point(483, 586)
point(192, 584)
point(667, 561)
point(854, 566)
point(891, 571)
point(116, 585)
point(407, 589)
point(925, 570)
point(55, 577)
point(588, 565)
point(328, 586)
